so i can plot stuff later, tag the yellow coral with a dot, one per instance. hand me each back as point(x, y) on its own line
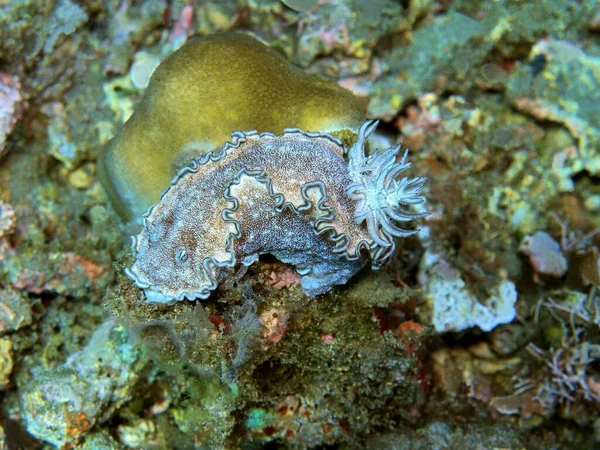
point(195, 99)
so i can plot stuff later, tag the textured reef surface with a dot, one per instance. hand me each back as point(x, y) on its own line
point(479, 331)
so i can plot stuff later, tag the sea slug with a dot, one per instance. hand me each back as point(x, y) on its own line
point(293, 196)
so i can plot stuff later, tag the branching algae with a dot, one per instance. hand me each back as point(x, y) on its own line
point(293, 196)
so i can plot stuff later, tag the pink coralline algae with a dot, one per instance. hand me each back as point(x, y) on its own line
point(293, 196)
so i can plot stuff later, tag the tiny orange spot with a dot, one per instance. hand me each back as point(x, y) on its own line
point(409, 325)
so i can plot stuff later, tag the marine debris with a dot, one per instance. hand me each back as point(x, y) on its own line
point(293, 196)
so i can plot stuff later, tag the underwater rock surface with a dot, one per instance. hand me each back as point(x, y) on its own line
point(62, 404)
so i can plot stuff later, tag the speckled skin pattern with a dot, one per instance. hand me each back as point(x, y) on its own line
point(292, 196)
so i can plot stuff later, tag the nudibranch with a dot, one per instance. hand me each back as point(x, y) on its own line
point(197, 96)
point(291, 195)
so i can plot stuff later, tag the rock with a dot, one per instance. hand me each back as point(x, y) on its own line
point(15, 311)
point(545, 255)
point(62, 404)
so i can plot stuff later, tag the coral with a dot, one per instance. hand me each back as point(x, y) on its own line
point(100, 440)
point(454, 307)
point(261, 364)
point(450, 52)
point(207, 415)
point(274, 326)
point(45, 252)
point(197, 97)
point(67, 18)
point(417, 67)
point(41, 47)
point(570, 372)
point(333, 388)
point(334, 38)
point(143, 432)
point(561, 371)
point(63, 272)
point(569, 375)
point(292, 196)
point(28, 28)
point(128, 24)
point(544, 254)
point(443, 434)
point(281, 276)
point(343, 27)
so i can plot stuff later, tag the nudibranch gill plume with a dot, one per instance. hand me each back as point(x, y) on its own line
point(293, 196)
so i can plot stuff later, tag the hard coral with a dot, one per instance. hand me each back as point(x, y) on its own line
point(200, 94)
point(11, 107)
point(293, 196)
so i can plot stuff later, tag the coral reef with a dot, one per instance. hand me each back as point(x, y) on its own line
point(289, 364)
point(197, 97)
point(441, 434)
point(569, 374)
point(496, 102)
point(229, 207)
point(29, 28)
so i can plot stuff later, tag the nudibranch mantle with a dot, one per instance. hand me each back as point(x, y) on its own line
point(293, 196)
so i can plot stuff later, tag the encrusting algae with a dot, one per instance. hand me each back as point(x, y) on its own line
point(197, 97)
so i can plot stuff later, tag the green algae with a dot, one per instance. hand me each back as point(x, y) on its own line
point(197, 97)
